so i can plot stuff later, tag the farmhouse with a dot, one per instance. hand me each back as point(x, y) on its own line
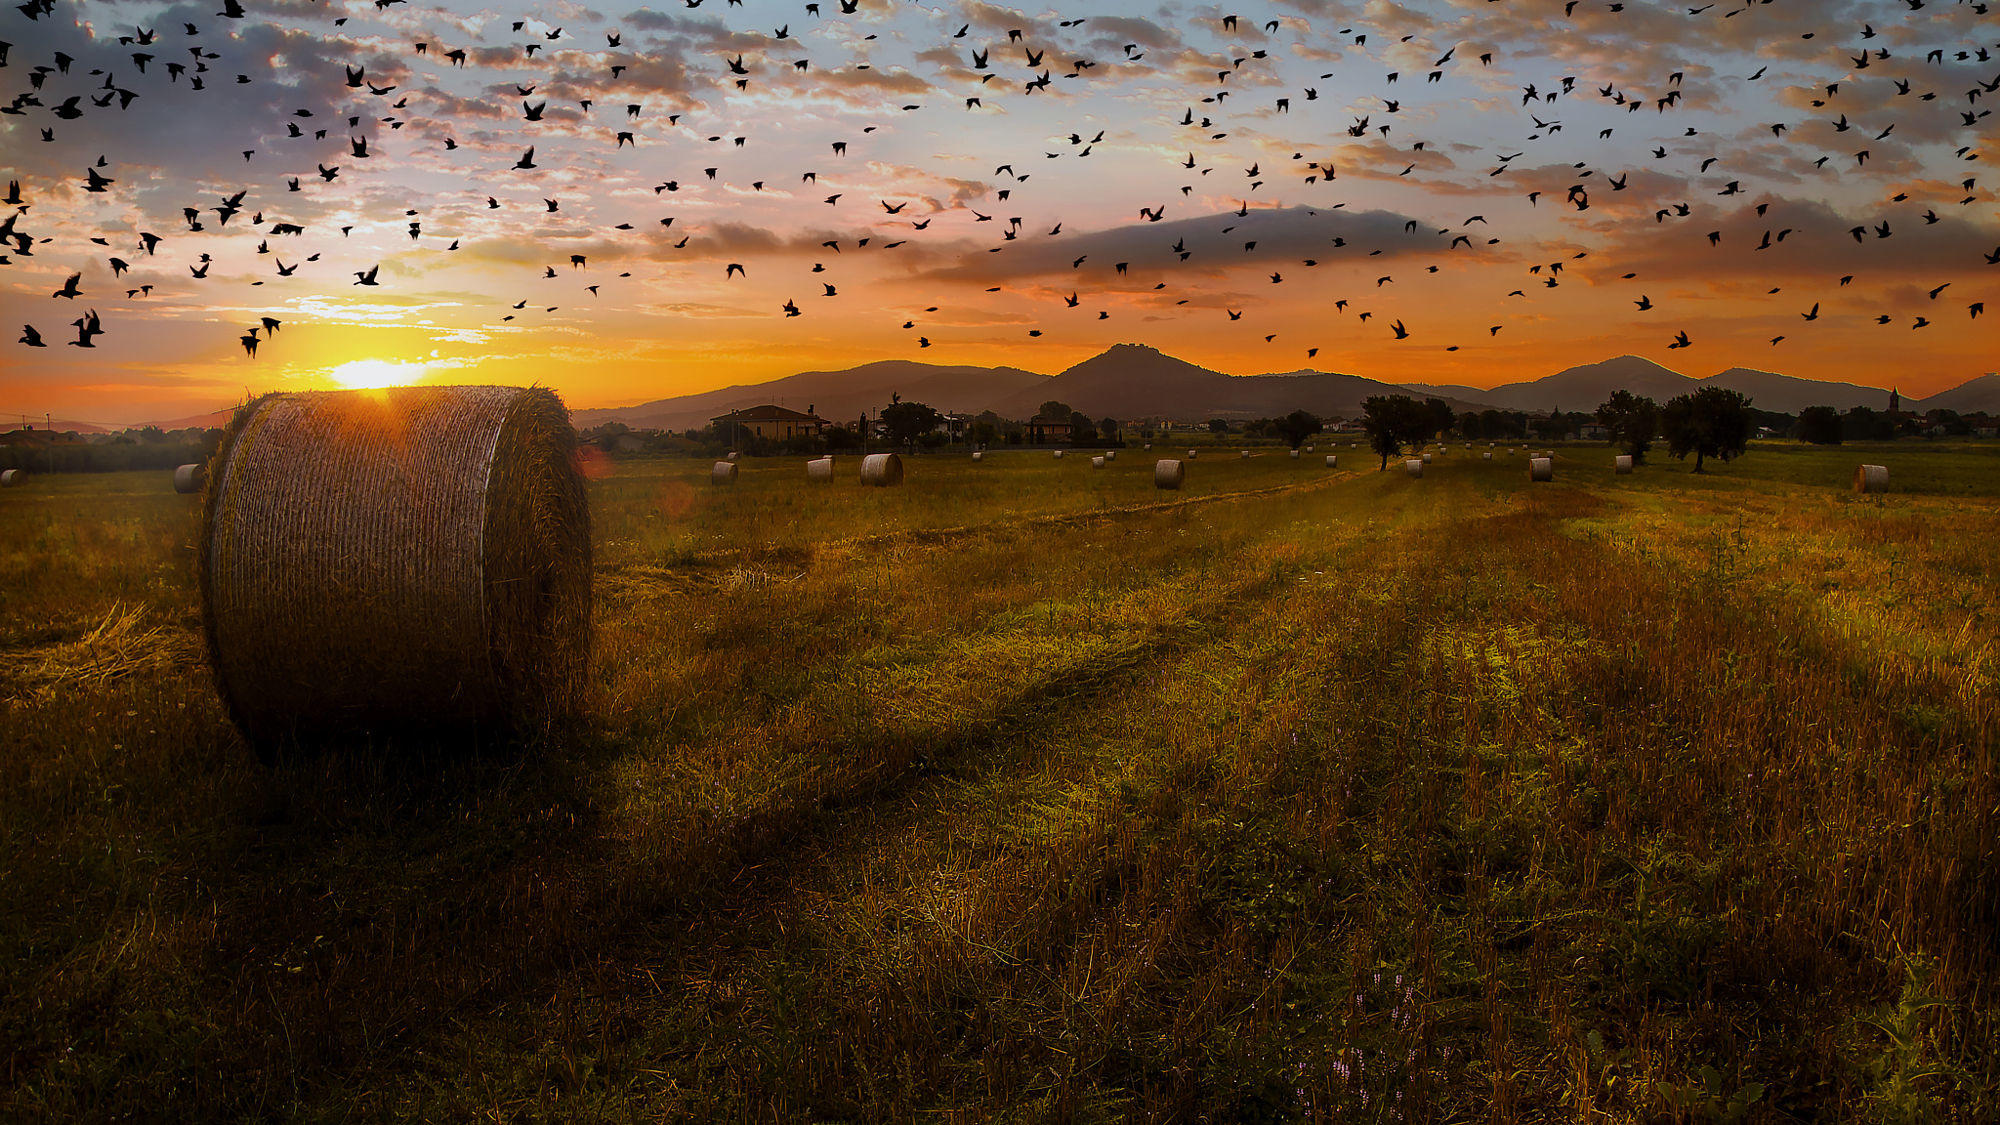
point(1043, 428)
point(770, 423)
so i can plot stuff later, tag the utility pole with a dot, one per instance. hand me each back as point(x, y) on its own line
point(50, 419)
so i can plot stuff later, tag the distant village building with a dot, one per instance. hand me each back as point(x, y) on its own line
point(1042, 428)
point(769, 423)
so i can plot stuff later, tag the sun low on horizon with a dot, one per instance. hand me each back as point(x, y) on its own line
point(633, 203)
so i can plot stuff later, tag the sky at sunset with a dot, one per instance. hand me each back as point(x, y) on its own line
point(1256, 187)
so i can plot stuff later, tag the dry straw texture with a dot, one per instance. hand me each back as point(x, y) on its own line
point(189, 478)
point(1111, 455)
point(1097, 462)
point(1168, 474)
point(1871, 478)
point(1333, 460)
point(724, 472)
point(416, 557)
point(1414, 467)
point(821, 469)
point(883, 469)
point(1541, 468)
point(1622, 464)
point(9, 477)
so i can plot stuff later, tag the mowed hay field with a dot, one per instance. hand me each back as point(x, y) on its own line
point(1027, 792)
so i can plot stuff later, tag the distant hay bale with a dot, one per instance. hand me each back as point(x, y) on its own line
point(1871, 478)
point(979, 455)
point(189, 478)
point(821, 469)
point(1427, 458)
point(414, 557)
point(1333, 460)
point(1486, 456)
point(1414, 467)
point(1246, 455)
point(1111, 455)
point(724, 472)
point(1295, 454)
point(734, 456)
point(1149, 445)
point(882, 470)
point(1622, 464)
point(9, 477)
point(1190, 455)
point(1059, 454)
point(1541, 469)
point(1168, 474)
point(1097, 462)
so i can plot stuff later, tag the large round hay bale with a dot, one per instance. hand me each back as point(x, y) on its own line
point(821, 469)
point(1541, 469)
point(882, 470)
point(1168, 474)
point(1333, 460)
point(1414, 467)
point(1622, 464)
point(1871, 478)
point(979, 455)
point(724, 472)
point(9, 477)
point(189, 478)
point(380, 560)
point(1097, 462)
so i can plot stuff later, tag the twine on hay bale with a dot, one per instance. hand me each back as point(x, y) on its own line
point(1541, 469)
point(1097, 462)
point(1333, 460)
point(9, 477)
point(1168, 474)
point(821, 469)
point(413, 557)
point(724, 472)
point(1871, 478)
point(1622, 464)
point(1414, 467)
point(189, 478)
point(881, 470)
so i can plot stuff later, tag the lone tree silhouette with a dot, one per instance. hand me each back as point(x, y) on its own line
point(1297, 426)
point(1393, 421)
point(1711, 422)
point(1632, 420)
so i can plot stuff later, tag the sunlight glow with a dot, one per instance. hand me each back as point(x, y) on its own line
point(376, 373)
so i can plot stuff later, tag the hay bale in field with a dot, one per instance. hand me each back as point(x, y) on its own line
point(1149, 445)
point(1333, 460)
point(1246, 455)
point(724, 472)
point(1295, 454)
point(735, 456)
point(9, 477)
point(1190, 455)
point(1168, 474)
point(1059, 454)
point(1486, 456)
point(1871, 478)
point(979, 455)
point(189, 478)
point(1427, 458)
point(882, 470)
point(1541, 469)
point(821, 469)
point(1622, 464)
point(1414, 467)
point(1111, 455)
point(413, 557)
point(1097, 462)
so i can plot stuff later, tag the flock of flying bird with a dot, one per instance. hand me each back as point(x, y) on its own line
point(330, 136)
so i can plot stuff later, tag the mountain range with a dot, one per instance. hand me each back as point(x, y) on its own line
point(1133, 381)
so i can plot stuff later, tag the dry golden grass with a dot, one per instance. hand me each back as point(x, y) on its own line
point(1020, 793)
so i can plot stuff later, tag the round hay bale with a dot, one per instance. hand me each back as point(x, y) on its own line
point(1295, 454)
point(979, 455)
point(1149, 445)
point(1111, 455)
point(1427, 458)
point(1414, 467)
point(1622, 464)
point(417, 557)
point(9, 477)
point(1333, 460)
point(724, 472)
point(1059, 454)
point(1190, 455)
point(1871, 478)
point(1097, 462)
point(821, 469)
point(1541, 469)
point(735, 456)
point(1486, 456)
point(189, 478)
point(1168, 474)
point(1246, 455)
point(882, 470)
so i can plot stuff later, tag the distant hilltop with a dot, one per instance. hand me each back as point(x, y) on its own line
point(1134, 381)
